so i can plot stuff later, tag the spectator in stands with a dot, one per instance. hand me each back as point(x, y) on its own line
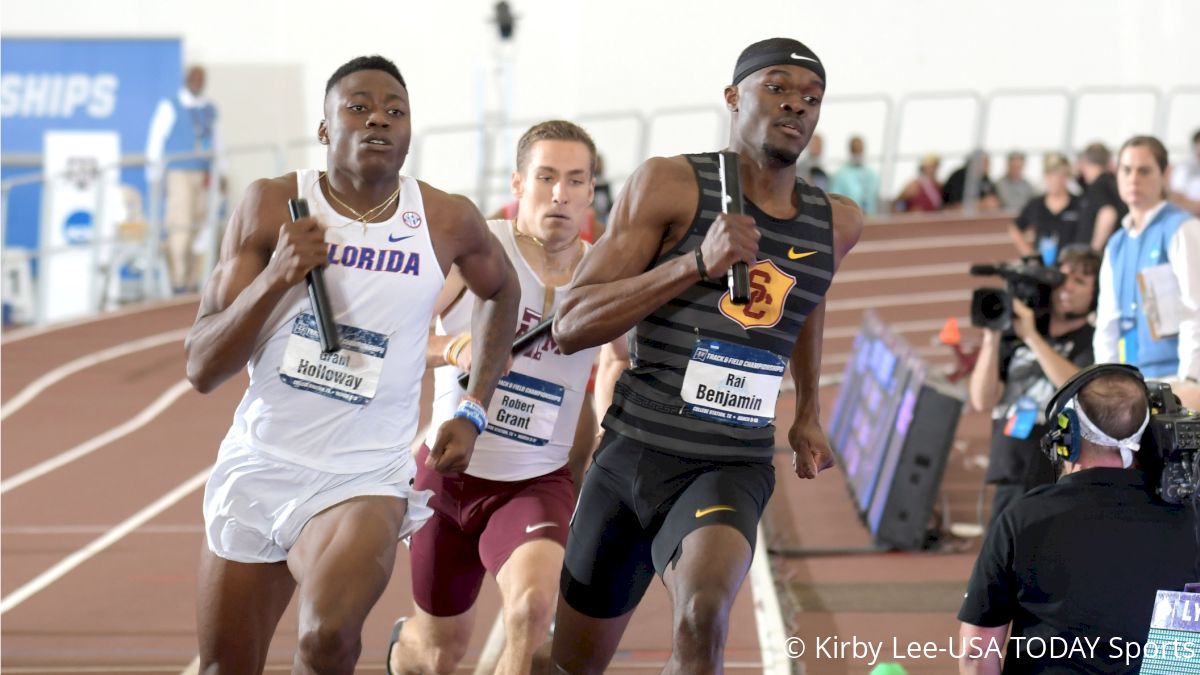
point(809, 167)
point(1080, 561)
point(1050, 222)
point(184, 124)
point(1185, 180)
point(954, 191)
point(856, 180)
point(1012, 188)
point(1101, 208)
point(923, 193)
point(1016, 374)
point(1155, 235)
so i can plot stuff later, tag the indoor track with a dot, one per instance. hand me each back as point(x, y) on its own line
point(106, 450)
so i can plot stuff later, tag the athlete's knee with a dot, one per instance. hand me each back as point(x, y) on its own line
point(445, 657)
point(530, 611)
point(433, 652)
point(330, 646)
point(701, 623)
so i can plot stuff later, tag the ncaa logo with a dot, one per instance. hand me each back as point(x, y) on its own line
point(769, 288)
point(411, 219)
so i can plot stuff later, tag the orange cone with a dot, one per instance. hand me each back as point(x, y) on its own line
point(950, 335)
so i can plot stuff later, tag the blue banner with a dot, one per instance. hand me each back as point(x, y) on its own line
point(50, 84)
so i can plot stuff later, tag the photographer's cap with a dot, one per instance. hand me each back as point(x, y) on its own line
point(774, 52)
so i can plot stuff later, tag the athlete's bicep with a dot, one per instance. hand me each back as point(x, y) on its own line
point(847, 227)
point(484, 266)
point(246, 248)
point(452, 290)
point(652, 200)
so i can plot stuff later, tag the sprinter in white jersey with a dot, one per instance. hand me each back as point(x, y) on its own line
point(508, 513)
point(313, 483)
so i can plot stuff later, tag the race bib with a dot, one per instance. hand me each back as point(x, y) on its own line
point(350, 374)
point(525, 409)
point(732, 384)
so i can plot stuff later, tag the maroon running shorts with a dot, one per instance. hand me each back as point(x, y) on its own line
point(476, 525)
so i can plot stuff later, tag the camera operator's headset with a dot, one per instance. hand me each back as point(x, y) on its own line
point(1062, 442)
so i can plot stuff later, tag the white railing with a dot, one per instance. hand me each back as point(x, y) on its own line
point(625, 137)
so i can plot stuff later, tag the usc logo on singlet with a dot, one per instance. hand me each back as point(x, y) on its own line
point(769, 288)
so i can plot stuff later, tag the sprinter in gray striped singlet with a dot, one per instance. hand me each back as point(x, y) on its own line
point(789, 278)
point(685, 468)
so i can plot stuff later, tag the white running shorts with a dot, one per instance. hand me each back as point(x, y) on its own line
point(255, 505)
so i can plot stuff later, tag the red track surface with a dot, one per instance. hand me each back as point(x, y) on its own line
point(129, 608)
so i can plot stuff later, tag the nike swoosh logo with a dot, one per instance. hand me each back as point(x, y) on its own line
point(793, 254)
point(804, 58)
point(700, 513)
point(533, 528)
point(395, 239)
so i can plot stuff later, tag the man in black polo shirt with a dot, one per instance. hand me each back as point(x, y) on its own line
point(1074, 567)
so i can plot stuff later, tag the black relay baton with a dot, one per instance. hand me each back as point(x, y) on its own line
point(317, 296)
point(519, 344)
point(731, 202)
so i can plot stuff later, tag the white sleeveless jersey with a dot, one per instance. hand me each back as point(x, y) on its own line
point(533, 414)
point(350, 411)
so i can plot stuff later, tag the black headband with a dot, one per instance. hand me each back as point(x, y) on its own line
point(774, 52)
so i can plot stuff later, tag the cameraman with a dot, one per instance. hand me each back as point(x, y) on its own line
point(1080, 561)
point(1015, 377)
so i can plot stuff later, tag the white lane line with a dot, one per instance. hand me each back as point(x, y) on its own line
point(193, 668)
point(87, 361)
point(87, 447)
point(108, 539)
point(768, 616)
point(26, 333)
point(932, 242)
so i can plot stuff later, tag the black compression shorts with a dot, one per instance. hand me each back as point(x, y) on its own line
point(635, 508)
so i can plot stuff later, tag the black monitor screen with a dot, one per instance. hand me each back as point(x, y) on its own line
point(865, 412)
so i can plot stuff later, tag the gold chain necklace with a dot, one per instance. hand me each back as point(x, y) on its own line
point(548, 298)
point(541, 244)
point(370, 213)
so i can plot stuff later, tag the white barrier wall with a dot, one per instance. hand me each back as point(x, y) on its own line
point(576, 56)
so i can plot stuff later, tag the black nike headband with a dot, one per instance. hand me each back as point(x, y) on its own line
point(774, 52)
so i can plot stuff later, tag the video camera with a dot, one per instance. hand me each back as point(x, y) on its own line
point(1029, 281)
point(1173, 439)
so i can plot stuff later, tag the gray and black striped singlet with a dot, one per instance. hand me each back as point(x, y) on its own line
point(793, 272)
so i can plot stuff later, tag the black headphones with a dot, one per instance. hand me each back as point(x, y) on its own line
point(1062, 442)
